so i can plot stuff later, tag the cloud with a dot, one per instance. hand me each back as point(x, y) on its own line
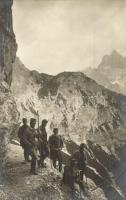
point(55, 36)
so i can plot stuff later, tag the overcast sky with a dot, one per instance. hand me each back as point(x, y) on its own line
point(68, 35)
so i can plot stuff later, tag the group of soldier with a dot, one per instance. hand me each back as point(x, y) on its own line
point(35, 140)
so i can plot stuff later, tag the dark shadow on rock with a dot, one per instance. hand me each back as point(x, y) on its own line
point(111, 193)
point(71, 146)
point(90, 173)
point(120, 170)
point(99, 168)
point(105, 159)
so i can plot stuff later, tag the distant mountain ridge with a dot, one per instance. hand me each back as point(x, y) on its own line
point(111, 72)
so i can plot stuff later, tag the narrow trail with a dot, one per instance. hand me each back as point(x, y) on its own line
point(47, 185)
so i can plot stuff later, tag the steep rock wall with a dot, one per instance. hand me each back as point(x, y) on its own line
point(8, 44)
point(8, 110)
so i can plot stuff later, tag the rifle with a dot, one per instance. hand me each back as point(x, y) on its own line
point(38, 119)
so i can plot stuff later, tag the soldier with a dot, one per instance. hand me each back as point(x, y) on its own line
point(23, 142)
point(56, 144)
point(70, 174)
point(31, 137)
point(43, 143)
point(80, 157)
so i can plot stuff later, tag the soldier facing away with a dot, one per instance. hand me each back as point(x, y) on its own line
point(43, 143)
point(23, 142)
point(56, 144)
point(32, 143)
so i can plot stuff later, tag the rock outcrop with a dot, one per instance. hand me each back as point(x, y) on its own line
point(8, 44)
point(8, 111)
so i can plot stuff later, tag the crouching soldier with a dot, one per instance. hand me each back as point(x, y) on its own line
point(43, 143)
point(21, 134)
point(70, 174)
point(56, 144)
point(31, 137)
point(80, 157)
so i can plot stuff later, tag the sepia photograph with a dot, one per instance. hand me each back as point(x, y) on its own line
point(62, 100)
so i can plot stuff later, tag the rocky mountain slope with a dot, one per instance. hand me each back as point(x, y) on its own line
point(76, 104)
point(111, 72)
point(83, 111)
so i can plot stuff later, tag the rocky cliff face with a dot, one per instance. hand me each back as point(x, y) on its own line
point(8, 45)
point(111, 72)
point(8, 111)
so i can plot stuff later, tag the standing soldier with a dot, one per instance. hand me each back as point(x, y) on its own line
point(43, 143)
point(80, 157)
point(23, 142)
point(31, 137)
point(56, 144)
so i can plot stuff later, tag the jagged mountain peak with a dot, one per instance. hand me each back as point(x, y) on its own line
point(116, 53)
point(114, 60)
point(111, 72)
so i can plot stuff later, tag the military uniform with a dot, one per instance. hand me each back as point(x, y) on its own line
point(56, 143)
point(43, 145)
point(80, 158)
point(21, 134)
point(69, 176)
point(72, 175)
point(32, 143)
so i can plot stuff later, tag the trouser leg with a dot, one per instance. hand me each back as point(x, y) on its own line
point(53, 157)
point(81, 175)
point(33, 163)
point(44, 153)
point(59, 156)
point(54, 162)
point(71, 183)
point(26, 154)
point(81, 183)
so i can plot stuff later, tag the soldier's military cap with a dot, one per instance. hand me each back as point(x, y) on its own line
point(55, 130)
point(24, 119)
point(32, 120)
point(44, 121)
point(82, 145)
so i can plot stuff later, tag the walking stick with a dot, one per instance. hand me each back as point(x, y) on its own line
point(38, 119)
